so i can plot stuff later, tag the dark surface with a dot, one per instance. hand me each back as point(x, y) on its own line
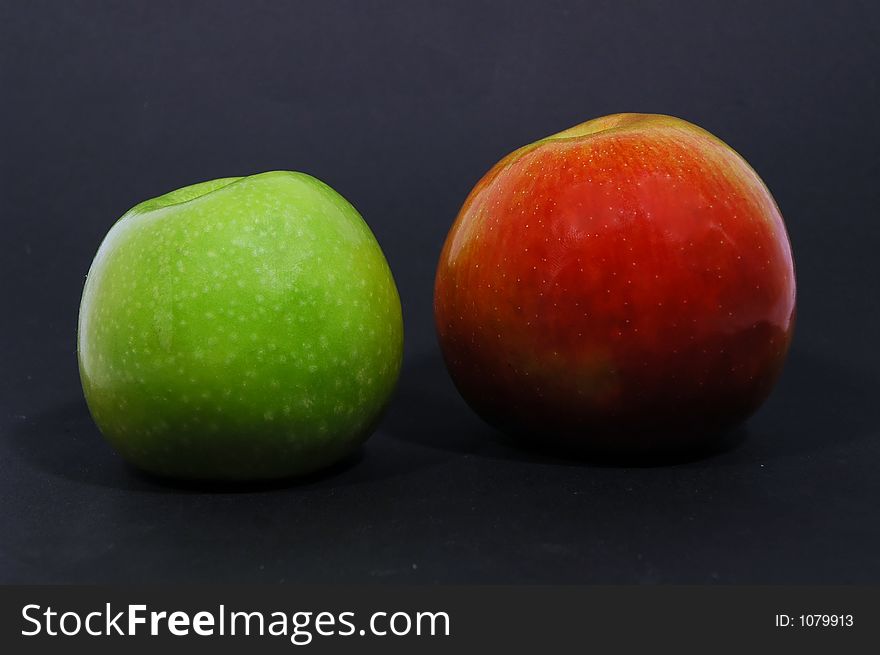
point(401, 107)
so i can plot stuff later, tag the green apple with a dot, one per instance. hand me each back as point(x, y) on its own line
point(239, 329)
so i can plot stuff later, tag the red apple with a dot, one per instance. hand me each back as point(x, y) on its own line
point(626, 284)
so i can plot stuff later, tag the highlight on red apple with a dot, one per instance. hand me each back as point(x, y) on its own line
point(626, 285)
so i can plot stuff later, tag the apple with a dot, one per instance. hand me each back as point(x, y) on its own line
point(239, 329)
point(626, 285)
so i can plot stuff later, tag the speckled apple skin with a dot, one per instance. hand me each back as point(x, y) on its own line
point(626, 285)
point(239, 329)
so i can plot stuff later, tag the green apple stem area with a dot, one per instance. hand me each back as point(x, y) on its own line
point(242, 328)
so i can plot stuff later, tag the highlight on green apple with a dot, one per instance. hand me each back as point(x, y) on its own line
point(239, 329)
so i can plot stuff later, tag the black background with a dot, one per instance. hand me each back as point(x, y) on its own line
point(402, 107)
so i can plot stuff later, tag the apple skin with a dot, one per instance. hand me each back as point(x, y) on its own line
point(239, 329)
point(624, 286)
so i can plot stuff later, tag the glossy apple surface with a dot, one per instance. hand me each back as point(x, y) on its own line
point(242, 328)
point(625, 285)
